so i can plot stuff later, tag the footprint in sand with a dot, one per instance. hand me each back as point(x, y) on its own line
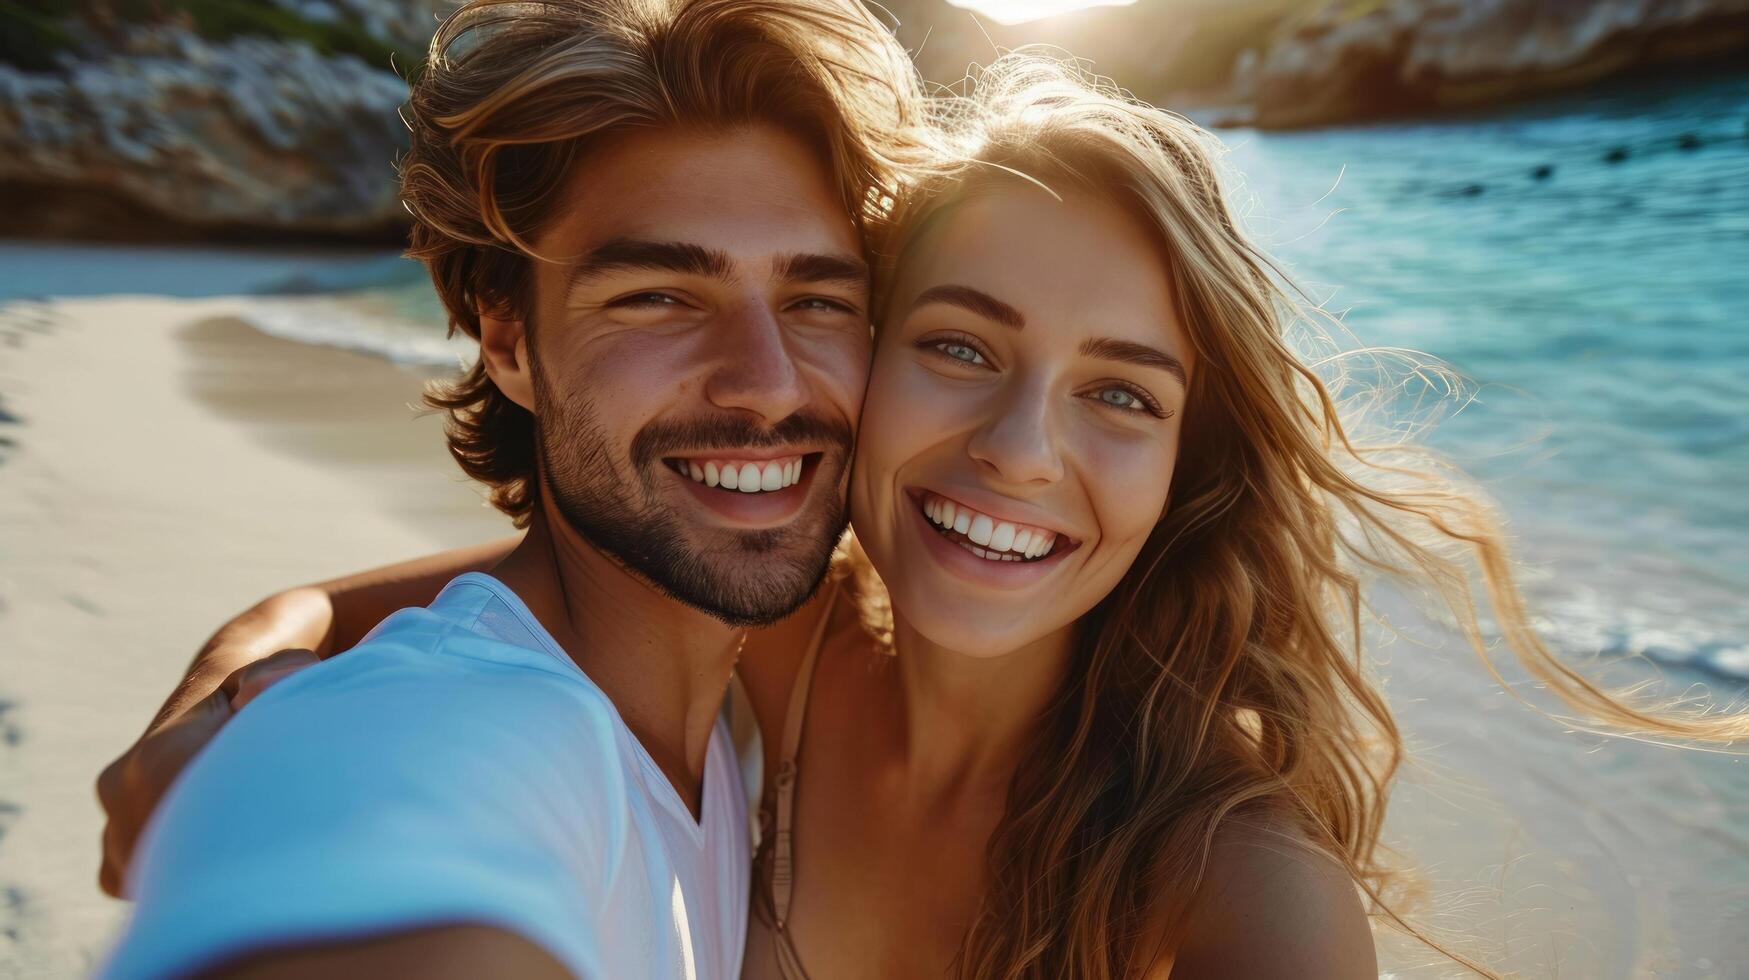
point(10, 733)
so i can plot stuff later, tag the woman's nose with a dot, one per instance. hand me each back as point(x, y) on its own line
point(1018, 443)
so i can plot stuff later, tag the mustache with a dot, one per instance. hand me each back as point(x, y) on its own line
point(669, 437)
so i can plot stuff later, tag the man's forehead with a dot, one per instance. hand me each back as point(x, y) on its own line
point(755, 195)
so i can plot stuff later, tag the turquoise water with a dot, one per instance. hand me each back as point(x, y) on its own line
point(1601, 312)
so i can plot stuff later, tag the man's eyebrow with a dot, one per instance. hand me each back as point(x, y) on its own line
point(622, 254)
point(1130, 352)
point(975, 300)
point(847, 270)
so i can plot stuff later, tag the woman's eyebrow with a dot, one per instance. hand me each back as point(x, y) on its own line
point(975, 300)
point(1130, 352)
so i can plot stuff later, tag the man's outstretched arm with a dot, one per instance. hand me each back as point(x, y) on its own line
point(425, 792)
point(271, 640)
point(462, 952)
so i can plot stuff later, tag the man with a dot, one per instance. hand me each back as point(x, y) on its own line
point(651, 216)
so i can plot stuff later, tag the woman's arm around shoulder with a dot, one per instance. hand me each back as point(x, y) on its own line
point(1273, 905)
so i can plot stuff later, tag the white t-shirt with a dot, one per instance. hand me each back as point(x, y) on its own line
point(455, 767)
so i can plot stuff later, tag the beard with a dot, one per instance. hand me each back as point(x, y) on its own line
point(741, 577)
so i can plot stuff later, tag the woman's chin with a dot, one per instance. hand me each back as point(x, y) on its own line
point(973, 626)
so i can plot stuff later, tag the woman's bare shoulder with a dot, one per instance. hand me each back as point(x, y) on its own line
point(1274, 904)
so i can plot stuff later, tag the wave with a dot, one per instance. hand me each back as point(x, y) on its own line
point(1590, 620)
point(368, 322)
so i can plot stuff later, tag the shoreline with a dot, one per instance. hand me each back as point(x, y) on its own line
point(145, 438)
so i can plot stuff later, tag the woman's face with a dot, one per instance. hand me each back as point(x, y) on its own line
point(1022, 417)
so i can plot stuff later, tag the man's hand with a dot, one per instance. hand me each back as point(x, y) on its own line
point(132, 785)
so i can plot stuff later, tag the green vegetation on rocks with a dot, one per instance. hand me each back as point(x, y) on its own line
point(33, 33)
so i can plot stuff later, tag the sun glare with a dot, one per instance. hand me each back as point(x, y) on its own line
point(1020, 11)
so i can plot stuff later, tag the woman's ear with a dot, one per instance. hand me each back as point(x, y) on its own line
point(504, 352)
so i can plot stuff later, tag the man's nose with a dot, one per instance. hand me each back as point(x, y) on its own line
point(756, 371)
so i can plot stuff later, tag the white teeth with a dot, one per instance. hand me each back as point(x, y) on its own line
point(750, 477)
point(1003, 537)
point(986, 536)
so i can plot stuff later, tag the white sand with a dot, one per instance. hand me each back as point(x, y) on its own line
point(158, 482)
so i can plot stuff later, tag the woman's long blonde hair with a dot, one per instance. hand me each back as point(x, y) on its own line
point(1225, 677)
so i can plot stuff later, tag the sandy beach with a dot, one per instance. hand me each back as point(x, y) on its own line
point(162, 466)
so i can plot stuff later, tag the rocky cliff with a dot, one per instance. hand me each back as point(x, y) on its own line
point(225, 118)
point(1360, 61)
point(247, 118)
point(175, 136)
point(1280, 63)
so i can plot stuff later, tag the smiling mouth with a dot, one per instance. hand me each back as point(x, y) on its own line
point(750, 476)
point(990, 538)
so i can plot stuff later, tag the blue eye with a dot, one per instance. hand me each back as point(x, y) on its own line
point(960, 352)
point(1119, 398)
point(1124, 398)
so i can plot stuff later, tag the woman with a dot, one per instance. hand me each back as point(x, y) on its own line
point(1106, 717)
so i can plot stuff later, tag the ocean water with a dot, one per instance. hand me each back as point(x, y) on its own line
point(1599, 312)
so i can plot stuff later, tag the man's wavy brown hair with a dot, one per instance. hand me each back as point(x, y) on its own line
point(514, 93)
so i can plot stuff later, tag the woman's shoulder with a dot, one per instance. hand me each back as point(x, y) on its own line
point(1274, 904)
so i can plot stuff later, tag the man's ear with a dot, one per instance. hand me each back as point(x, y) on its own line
point(504, 351)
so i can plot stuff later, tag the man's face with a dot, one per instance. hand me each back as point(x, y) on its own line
point(699, 354)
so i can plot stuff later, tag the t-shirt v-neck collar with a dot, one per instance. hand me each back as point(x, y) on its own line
point(657, 786)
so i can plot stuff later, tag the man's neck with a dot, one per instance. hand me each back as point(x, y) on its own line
point(664, 665)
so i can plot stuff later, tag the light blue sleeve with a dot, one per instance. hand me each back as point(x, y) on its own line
point(392, 788)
